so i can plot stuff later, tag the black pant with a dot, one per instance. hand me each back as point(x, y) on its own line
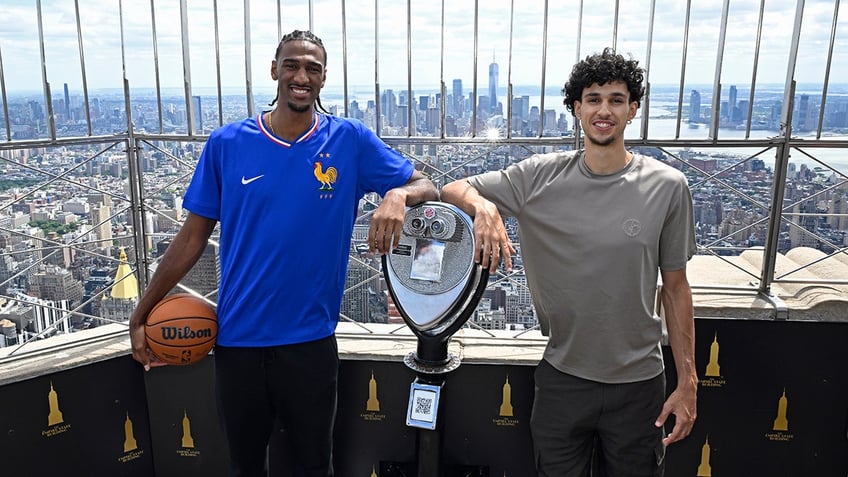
point(295, 385)
point(578, 425)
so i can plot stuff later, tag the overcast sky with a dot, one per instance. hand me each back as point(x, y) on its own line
point(101, 38)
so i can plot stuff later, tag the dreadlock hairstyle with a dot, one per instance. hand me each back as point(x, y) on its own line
point(603, 68)
point(305, 36)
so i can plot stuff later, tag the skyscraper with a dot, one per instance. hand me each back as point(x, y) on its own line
point(457, 98)
point(804, 114)
point(694, 107)
point(204, 275)
point(197, 114)
point(517, 109)
point(67, 103)
point(101, 218)
point(388, 106)
point(731, 104)
point(493, 87)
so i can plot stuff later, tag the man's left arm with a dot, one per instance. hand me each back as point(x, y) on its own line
point(676, 296)
point(387, 221)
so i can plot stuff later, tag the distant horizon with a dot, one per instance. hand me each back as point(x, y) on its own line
point(834, 88)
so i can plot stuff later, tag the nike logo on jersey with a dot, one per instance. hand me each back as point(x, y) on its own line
point(248, 181)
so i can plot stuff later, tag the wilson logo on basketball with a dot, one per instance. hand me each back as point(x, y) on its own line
point(181, 329)
point(184, 333)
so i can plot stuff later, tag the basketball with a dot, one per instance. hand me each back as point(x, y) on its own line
point(181, 329)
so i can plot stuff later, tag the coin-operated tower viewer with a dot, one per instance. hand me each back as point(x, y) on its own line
point(435, 283)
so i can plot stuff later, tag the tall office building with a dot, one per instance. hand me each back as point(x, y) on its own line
point(67, 103)
point(204, 276)
point(57, 284)
point(388, 106)
point(550, 119)
point(484, 107)
point(432, 119)
point(197, 114)
point(7, 270)
point(458, 99)
point(493, 87)
point(804, 114)
point(838, 209)
point(731, 104)
point(520, 109)
point(803, 234)
point(516, 113)
point(101, 221)
point(695, 107)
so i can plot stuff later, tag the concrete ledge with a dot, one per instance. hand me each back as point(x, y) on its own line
point(394, 342)
point(375, 342)
point(38, 358)
point(810, 284)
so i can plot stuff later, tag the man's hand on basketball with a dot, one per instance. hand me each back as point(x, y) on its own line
point(140, 351)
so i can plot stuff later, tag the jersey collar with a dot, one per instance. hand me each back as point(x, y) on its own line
point(316, 121)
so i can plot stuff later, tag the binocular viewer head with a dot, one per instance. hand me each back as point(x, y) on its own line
point(432, 276)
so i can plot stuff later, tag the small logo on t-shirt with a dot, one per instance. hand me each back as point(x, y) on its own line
point(246, 181)
point(631, 227)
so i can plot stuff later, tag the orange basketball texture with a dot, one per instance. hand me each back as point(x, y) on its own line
point(181, 329)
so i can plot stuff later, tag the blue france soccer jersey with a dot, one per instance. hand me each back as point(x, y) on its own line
point(286, 213)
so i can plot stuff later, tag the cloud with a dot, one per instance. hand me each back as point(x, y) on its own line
point(571, 34)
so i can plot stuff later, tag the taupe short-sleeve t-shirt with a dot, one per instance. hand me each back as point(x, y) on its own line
point(592, 247)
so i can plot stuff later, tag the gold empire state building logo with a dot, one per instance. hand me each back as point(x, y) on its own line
point(505, 412)
point(187, 449)
point(372, 405)
point(712, 375)
point(129, 438)
point(713, 368)
point(780, 427)
point(188, 441)
point(55, 420)
point(55, 416)
point(131, 450)
point(506, 401)
point(780, 422)
point(704, 469)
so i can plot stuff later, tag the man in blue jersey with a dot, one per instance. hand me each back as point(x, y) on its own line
point(597, 228)
point(284, 187)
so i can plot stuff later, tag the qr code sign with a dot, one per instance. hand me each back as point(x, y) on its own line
point(423, 404)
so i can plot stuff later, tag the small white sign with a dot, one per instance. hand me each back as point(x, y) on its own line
point(423, 405)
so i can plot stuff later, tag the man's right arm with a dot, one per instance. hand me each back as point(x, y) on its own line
point(182, 254)
point(489, 231)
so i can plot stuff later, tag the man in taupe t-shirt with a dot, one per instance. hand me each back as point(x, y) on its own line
point(598, 226)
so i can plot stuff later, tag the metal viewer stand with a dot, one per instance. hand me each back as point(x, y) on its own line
point(435, 284)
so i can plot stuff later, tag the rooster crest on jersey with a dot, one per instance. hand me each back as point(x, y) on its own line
point(327, 177)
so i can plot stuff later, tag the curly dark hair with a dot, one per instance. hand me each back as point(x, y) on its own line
point(304, 35)
point(603, 68)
